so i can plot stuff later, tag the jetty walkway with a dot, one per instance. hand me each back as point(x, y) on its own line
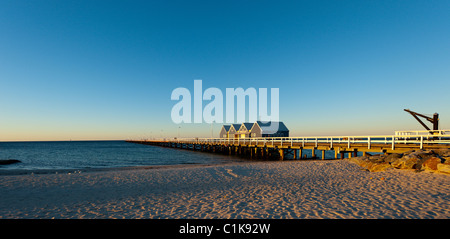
point(282, 147)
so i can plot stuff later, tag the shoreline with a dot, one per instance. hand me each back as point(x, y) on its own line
point(268, 189)
point(12, 172)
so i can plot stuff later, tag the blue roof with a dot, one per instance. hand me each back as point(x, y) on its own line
point(227, 127)
point(236, 126)
point(281, 126)
point(248, 126)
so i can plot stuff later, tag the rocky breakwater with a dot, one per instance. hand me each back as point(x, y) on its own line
point(418, 160)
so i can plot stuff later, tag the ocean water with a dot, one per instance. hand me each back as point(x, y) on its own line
point(99, 154)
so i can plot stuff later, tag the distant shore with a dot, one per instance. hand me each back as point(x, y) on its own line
point(295, 189)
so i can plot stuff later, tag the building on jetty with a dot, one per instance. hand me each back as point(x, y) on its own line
point(259, 131)
point(224, 131)
point(230, 131)
point(252, 130)
point(244, 130)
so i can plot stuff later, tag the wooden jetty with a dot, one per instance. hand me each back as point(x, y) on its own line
point(280, 147)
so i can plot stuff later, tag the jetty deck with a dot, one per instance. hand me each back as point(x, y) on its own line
point(281, 147)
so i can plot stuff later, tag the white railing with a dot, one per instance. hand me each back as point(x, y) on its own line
point(349, 140)
point(422, 132)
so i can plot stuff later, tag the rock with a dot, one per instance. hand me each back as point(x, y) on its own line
point(443, 168)
point(380, 167)
point(380, 158)
point(421, 154)
point(8, 161)
point(366, 164)
point(442, 152)
point(409, 152)
point(358, 160)
point(431, 164)
point(446, 160)
point(364, 161)
point(405, 162)
point(430, 160)
point(392, 157)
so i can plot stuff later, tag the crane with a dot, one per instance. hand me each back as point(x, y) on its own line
point(434, 120)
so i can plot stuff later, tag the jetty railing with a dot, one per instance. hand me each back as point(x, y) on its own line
point(422, 132)
point(368, 141)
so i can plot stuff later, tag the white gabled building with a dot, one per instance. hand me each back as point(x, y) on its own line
point(224, 131)
point(253, 130)
point(257, 130)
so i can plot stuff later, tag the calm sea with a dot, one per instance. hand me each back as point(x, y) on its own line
point(98, 154)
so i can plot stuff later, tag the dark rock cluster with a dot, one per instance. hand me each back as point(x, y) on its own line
point(419, 160)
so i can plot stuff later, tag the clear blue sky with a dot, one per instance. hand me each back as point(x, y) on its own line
point(106, 69)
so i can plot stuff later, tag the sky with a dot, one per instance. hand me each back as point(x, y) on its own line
point(94, 70)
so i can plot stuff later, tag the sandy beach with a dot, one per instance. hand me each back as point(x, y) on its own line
point(290, 189)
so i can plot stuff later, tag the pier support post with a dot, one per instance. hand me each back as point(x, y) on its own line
point(300, 153)
point(281, 154)
point(295, 154)
point(323, 154)
point(336, 152)
point(342, 155)
point(313, 153)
